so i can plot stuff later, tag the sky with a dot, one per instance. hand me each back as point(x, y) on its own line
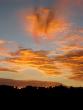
point(42, 40)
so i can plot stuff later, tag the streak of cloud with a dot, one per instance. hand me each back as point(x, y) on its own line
point(34, 59)
point(6, 48)
point(6, 69)
point(73, 60)
point(68, 66)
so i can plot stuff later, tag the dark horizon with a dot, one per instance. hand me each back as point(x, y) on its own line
point(60, 91)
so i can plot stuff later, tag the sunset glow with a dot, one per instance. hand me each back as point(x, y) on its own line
point(43, 23)
point(42, 41)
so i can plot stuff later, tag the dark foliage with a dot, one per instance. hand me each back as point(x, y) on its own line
point(59, 91)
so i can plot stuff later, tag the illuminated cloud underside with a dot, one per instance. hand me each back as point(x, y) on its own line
point(68, 65)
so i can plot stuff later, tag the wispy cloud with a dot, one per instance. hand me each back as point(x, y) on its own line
point(44, 22)
point(73, 60)
point(68, 66)
point(37, 59)
point(6, 69)
point(6, 48)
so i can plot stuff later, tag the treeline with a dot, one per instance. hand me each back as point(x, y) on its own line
point(41, 91)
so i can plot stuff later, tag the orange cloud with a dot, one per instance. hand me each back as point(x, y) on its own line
point(35, 59)
point(70, 43)
point(44, 23)
point(73, 60)
point(74, 2)
point(68, 65)
point(80, 30)
point(71, 47)
point(7, 69)
point(6, 48)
